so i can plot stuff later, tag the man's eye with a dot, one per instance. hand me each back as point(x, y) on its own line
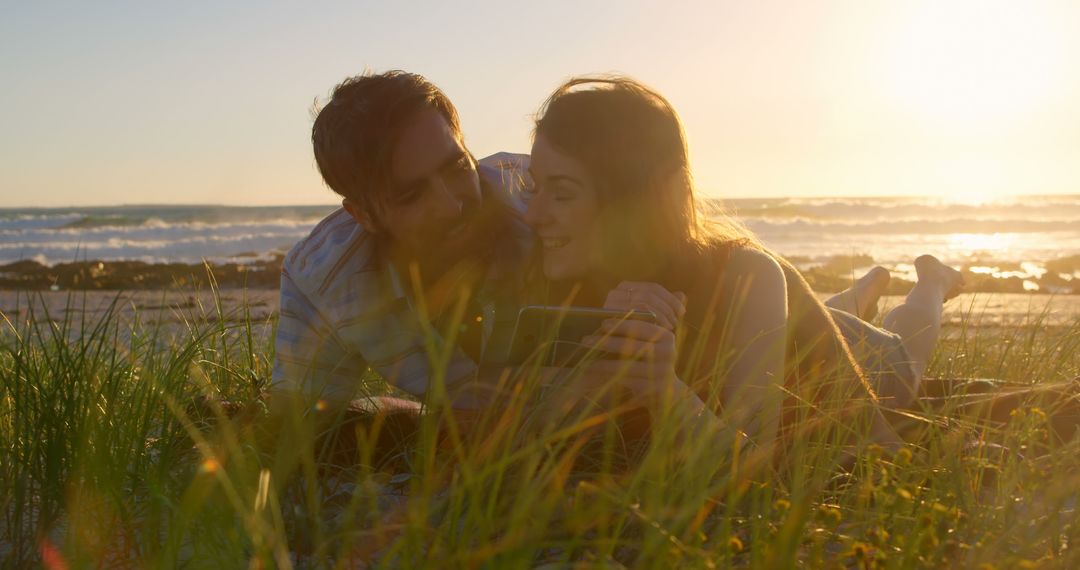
point(408, 195)
point(528, 187)
point(460, 166)
point(463, 164)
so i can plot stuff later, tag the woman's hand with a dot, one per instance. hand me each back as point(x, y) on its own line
point(641, 355)
point(643, 368)
point(646, 296)
point(643, 350)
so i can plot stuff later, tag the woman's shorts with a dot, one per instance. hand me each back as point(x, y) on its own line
point(882, 355)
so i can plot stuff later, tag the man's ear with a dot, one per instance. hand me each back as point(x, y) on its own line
point(359, 214)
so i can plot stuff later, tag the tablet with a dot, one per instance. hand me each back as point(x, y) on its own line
point(551, 335)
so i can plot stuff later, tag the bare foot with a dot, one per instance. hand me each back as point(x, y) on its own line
point(932, 270)
point(871, 287)
point(861, 299)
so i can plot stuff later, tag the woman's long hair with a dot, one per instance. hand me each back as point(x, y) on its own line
point(631, 141)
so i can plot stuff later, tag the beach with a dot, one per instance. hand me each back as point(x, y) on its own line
point(174, 307)
point(177, 307)
point(176, 312)
point(171, 308)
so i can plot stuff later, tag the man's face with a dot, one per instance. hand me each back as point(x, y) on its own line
point(431, 207)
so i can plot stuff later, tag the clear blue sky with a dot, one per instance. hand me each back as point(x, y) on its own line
point(198, 102)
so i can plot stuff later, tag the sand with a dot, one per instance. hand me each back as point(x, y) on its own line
point(169, 307)
point(1004, 309)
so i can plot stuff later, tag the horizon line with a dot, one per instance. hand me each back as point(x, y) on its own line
point(338, 204)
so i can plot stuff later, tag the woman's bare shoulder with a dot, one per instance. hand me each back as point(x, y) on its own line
point(755, 288)
point(750, 262)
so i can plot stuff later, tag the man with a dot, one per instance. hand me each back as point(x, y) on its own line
point(426, 239)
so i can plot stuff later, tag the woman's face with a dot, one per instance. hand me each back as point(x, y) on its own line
point(562, 210)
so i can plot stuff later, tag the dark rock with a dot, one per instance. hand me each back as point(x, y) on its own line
point(847, 264)
point(1068, 264)
point(117, 275)
point(22, 266)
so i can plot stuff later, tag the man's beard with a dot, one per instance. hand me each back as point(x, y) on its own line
point(440, 251)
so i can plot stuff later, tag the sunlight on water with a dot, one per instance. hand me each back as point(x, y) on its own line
point(973, 243)
point(1027, 269)
point(905, 271)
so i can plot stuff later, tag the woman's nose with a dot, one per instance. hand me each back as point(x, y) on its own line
point(536, 212)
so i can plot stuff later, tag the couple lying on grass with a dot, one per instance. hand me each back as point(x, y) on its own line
point(421, 274)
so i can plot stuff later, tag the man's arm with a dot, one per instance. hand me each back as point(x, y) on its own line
point(309, 358)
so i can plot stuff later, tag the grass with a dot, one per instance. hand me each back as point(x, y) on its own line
point(106, 461)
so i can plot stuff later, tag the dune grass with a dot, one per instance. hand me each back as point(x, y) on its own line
point(107, 459)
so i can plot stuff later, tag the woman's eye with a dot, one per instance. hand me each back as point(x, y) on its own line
point(561, 195)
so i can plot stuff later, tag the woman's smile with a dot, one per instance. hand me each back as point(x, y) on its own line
point(554, 242)
point(562, 210)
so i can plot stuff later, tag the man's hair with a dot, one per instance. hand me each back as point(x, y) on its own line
point(355, 132)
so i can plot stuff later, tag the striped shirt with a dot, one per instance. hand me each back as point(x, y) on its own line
point(343, 311)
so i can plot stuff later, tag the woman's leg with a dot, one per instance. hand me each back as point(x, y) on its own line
point(861, 299)
point(918, 319)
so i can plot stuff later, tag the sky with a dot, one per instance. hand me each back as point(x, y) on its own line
point(210, 102)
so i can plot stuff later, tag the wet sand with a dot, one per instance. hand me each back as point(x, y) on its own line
point(1003, 309)
point(172, 306)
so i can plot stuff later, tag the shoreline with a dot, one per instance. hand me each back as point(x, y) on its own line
point(260, 305)
point(264, 272)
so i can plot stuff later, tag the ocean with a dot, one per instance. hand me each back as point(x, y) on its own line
point(1025, 238)
point(153, 234)
point(1029, 237)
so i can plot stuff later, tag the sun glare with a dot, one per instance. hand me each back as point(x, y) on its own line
point(965, 62)
point(971, 180)
point(970, 198)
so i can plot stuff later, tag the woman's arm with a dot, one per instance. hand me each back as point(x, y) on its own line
point(752, 301)
point(648, 360)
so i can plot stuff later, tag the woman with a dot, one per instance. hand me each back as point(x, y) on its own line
point(612, 204)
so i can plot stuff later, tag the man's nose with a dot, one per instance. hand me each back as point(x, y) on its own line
point(447, 202)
